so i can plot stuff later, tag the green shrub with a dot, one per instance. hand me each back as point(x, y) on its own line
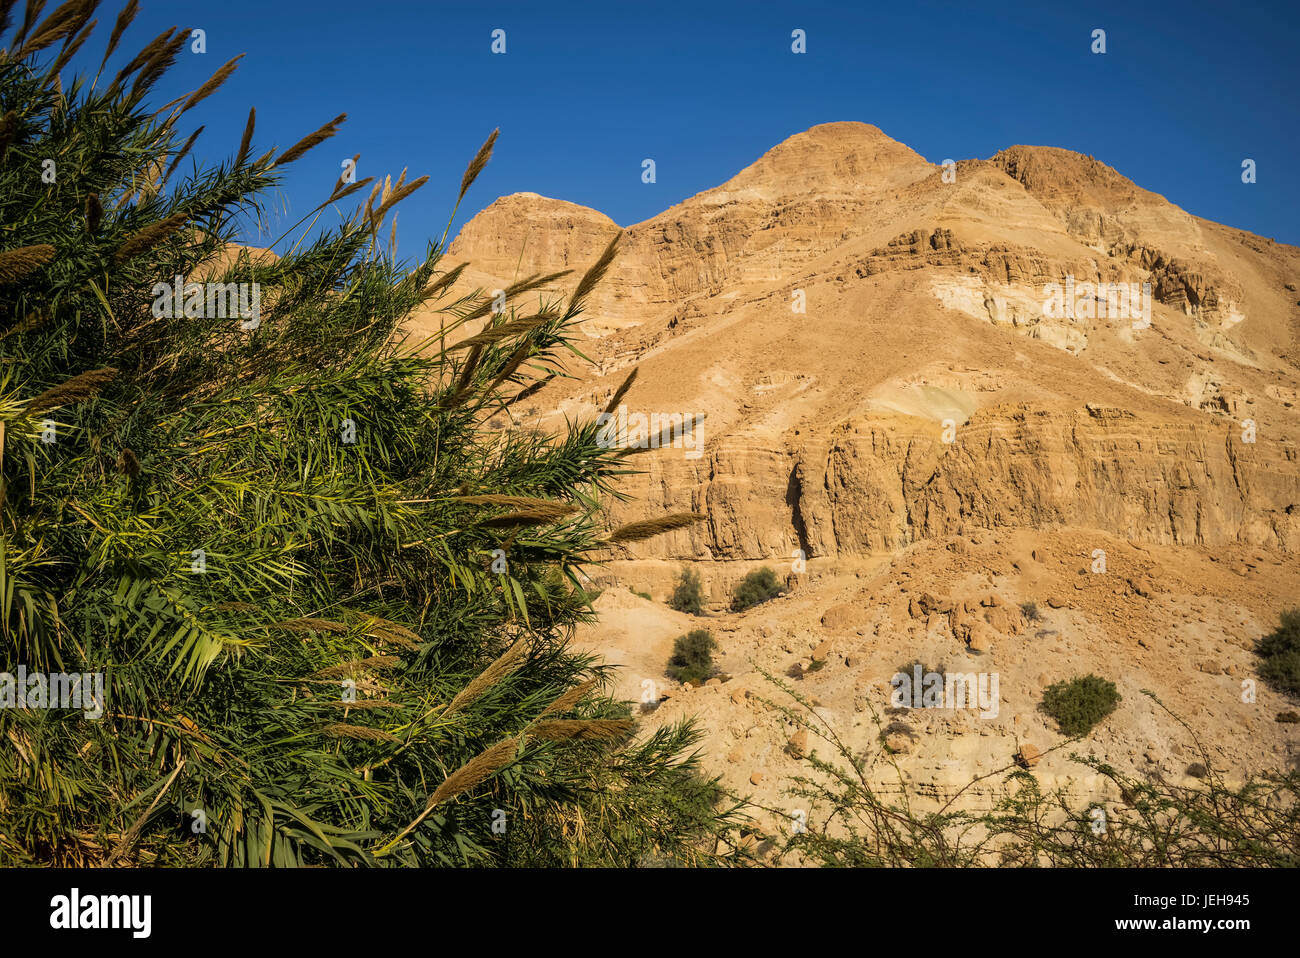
point(1079, 704)
point(757, 587)
point(645, 595)
point(688, 596)
point(1280, 650)
point(282, 541)
point(692, 659)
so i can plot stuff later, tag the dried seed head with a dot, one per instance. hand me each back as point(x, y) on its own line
point(17, 263)
point(307, 142)
point(149, 237)
point(636, 531)
point(476, 165)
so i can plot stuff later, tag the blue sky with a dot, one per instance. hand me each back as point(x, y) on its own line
point(586, 91)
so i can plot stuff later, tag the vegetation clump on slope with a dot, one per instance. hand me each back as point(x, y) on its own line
point(1079, 704)
point(331, 605)
point(692, 658)
point(688, 594)
point(1280, 651)
point(754, 589)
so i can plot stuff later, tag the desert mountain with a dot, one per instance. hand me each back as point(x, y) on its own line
point(968, 405)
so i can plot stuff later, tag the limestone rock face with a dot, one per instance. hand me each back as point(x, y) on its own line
point(871, 344)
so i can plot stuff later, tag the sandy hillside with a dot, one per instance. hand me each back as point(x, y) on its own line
point(943, 441)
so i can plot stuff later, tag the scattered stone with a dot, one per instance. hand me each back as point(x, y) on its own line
point(1197, 770)
point(899, 738)
point(713, 682)
point(798, 743)
point(756, 779)
point(1028, 755)
point(981, 638)
point(739, 696)
point(841, 618)
point(1056, 602)
point(1000, 620)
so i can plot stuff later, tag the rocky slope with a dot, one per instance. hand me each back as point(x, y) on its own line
point(898, 362)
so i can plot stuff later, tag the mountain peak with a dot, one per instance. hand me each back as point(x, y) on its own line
point(847, 156)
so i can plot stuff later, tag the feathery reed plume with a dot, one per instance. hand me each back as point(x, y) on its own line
point(309, 624)
point(507, 662)
point(247, 139)
point(351, 188)
point(157, 65)
point(79, 387)
point(620, 392)
point(119, 27)
point(569, 699)
point(510, 502)
point(127, 463)
point(339, 184)
point(149, 237)
point(376, 663)
point(536, 281)
point(17, 263)
point(370, 203)
point(8, 123)
point(30, 15)
point(235, 607)
point(559, 730)
point(213, 84)
point(473, 772)
point(521, 353)
point(63, 22)
point(464, 382)
point(476, 165)
point(144, 56)
point(391, 628)
point(70, 49)
point(307, 142)
point(528, 517)
point(343, 730)
point(399, 194)
point(6, 9)
point(507, 330)
point(189, 144)
point(443, 282)
point(594, 275)
point(26, 324)
point(94, 213)
point(395, 638)
point(636, 531)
